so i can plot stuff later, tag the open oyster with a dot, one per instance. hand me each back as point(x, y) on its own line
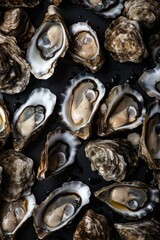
point(124, 41)
point(14, 214)
point(59, 152)
point(114, 159)
point(154, 43)
point(60, 207)
point(84, 47)
point(92, 226)
point(17, 175)
point(105, 8)
point(147, 13)
point(132, 200)
point(81, 100)
point(18, 3)
point(141, 230)
point(123, 109)
point(31, 116)
point(48, 43)
point(14, 70)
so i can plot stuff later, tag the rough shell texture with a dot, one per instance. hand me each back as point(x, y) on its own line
point(154, 44)
point(18, 3)
point(58, 153)
point(140, 230)
point(92, 226)
point(114, 159)
point(145, 12)
point(124, 41)
point(15, 71)
point(17, 175)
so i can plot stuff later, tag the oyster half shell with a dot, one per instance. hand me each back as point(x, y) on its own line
point(60, 207)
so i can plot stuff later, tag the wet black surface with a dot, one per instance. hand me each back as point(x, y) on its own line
point(111, 74)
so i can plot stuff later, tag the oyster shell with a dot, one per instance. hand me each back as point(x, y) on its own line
point(154, 43)
point(18, 3)
point(15, 71)
point(92, 226)
point(14, 214)
point(60, 207)
point(123, 109)
point(114, 159)
point(84, 47)
point(132, 200)
point(141, 230)
point(17, 175)
point(59, 152)
point(56, 2)
point(31, 116)
point(124, 41)
point(147, 13)
point(49, 42)
point(81, 100)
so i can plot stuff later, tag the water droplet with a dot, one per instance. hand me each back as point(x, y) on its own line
point(114, 80)
point(133, 78)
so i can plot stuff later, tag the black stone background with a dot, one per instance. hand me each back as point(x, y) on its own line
point(111, 74)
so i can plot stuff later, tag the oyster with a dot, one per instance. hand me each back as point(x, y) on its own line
point(105, 8)
point(59, 152)
point(84, 47)
point(114, 159)
point(14, 70)
point(60, 207)
point(18, 3)
point(49, 42)
point(14, 214)
point(147, 13)
point(132, 200)
point(81, 100)
point(92, 226)
point(123, 109)
point(154, 43)
point(124, 41)
point(17, 175)
point(56, 2)
point(141, 230)
point(31, 116)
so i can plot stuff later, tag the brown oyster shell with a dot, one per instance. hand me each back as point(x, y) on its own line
point(124, 41)
point(18, 3)
point(92, 226)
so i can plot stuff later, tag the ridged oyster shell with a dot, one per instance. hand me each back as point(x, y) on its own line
point(18, 3)
point(132, 200)
point(31, 116)
point(114, 159)
point(92, 226)
point(81, 100)
point(84, 46)
point(60, 207)
point(59, 152)
point(123, 109)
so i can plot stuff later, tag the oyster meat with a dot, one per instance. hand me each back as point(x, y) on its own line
point(154, 44)
point(92, 226)
point(18, 3)
point(84, 47)
point(59, 152)
point(17, 175)
point(123, 109)
point(29, 119)
point(48, 43)
point(114, 159)
point(81, 100)
point(132, 200)
point(60, 207)
point(124, 41)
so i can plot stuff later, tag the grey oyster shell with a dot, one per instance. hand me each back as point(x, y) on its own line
point(49, 42)
point(107, 9)
point(146, 13)
point(18, 3)
point(60, 207)
point(154, 44)
point(124, 41)
point(85, 47)
point(31, 116)
point(59, 152)
point(17, 175)
point(14, 214)
point(15, 71)
point(140, 230)
point(123, 109)
point(92, 226)
point(114, 159)
point(133, 200)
